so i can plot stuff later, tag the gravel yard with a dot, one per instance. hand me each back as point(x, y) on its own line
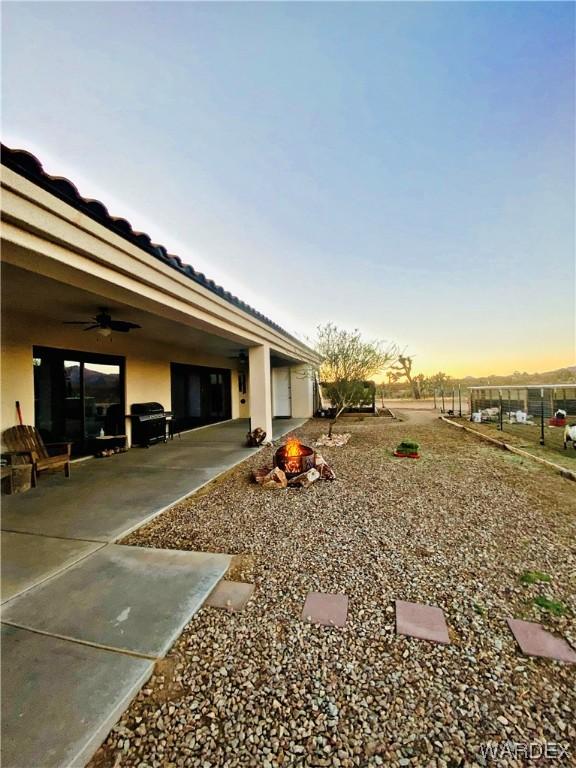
point(454, 529)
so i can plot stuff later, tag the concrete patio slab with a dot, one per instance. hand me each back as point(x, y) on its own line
point(102, 501)
point(231, 595)
point(534, 640)
point(28, 560)
point(126, 598)
point(426, 622)
point(105, 499)
point(60, 699)
point(211, 456)
point(330, 610)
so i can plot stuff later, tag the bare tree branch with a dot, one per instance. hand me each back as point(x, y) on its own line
point(347, 362)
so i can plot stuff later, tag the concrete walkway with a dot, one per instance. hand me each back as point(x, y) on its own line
point(85, 619)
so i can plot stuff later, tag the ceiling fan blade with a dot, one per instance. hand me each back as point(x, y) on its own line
point(77, 322)
point(92, 327)
point(123, 326)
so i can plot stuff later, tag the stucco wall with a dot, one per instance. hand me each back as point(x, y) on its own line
point(17, 383)
point(235, 394)
point(302, 388)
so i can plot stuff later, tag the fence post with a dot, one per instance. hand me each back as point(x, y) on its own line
point(452, 400)
point(501, 413)
point(443, 407)
point(509, 406)
point(434, 399)
point(542, 417)
point(459, 401)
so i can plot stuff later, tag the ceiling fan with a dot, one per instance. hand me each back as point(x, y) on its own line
point(240, 356)
point(103, 324)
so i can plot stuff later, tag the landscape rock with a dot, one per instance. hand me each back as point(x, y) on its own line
point(259, 475)
point(275, 479)
point(336, 441)
point(325, 470)
point(306, 479)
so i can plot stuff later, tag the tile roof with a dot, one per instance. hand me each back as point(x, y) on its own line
point(27, 165)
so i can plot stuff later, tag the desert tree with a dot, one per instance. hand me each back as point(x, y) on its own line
point(438, 381)
point(348, 361)
point(402, 369)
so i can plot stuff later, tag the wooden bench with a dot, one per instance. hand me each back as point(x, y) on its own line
point(25, 441)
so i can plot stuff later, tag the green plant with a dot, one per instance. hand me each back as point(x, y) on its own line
point(534, 577)
point(480, 610)
point(348, 361)
point(408, 446)
point(555, 607)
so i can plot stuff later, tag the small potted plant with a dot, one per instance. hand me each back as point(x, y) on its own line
point(407, 449)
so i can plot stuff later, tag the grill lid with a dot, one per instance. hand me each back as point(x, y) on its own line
point(139, 409)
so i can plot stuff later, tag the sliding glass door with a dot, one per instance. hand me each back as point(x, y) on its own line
point(200, 395)
point(77, 396)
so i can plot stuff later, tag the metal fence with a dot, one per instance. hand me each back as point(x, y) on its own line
point(534, 412)
point(454, 401)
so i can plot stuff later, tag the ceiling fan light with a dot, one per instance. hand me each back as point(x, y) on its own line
point(104, 331)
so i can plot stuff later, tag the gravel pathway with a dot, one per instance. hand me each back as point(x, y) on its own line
point(454, 529)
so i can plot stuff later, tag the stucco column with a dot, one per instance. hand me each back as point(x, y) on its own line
point(234, 395)
point(302, 388)
point(260, 389)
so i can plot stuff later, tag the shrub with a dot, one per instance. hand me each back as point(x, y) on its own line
point(534, 577)
point(547, 604)
point(408, 446)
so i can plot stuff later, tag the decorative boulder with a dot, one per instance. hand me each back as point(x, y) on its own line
point(325, 470)
point(306, 479)
point(275, 479)
point(259, 475)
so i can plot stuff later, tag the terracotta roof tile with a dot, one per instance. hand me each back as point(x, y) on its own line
point(26, 164)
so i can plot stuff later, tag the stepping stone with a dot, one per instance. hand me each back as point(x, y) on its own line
point(325, 608)
point(425, 622)
point(534, 640)
point(230, 595)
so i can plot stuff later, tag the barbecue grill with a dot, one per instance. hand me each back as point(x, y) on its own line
point(148, 423)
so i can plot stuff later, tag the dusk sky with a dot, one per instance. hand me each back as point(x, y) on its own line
point(404, 168)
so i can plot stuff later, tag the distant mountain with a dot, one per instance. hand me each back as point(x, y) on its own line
point(559, 376)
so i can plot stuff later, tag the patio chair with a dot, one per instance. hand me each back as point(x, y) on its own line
point(26, 441)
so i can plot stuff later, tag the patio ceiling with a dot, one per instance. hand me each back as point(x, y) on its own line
point(51, 303)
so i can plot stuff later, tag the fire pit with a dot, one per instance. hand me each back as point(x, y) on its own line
point(293, 458)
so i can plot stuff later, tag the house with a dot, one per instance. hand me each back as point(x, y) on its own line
point(199, 351)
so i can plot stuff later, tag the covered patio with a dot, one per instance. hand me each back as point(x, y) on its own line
point(98, 319)
point(62, 521)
